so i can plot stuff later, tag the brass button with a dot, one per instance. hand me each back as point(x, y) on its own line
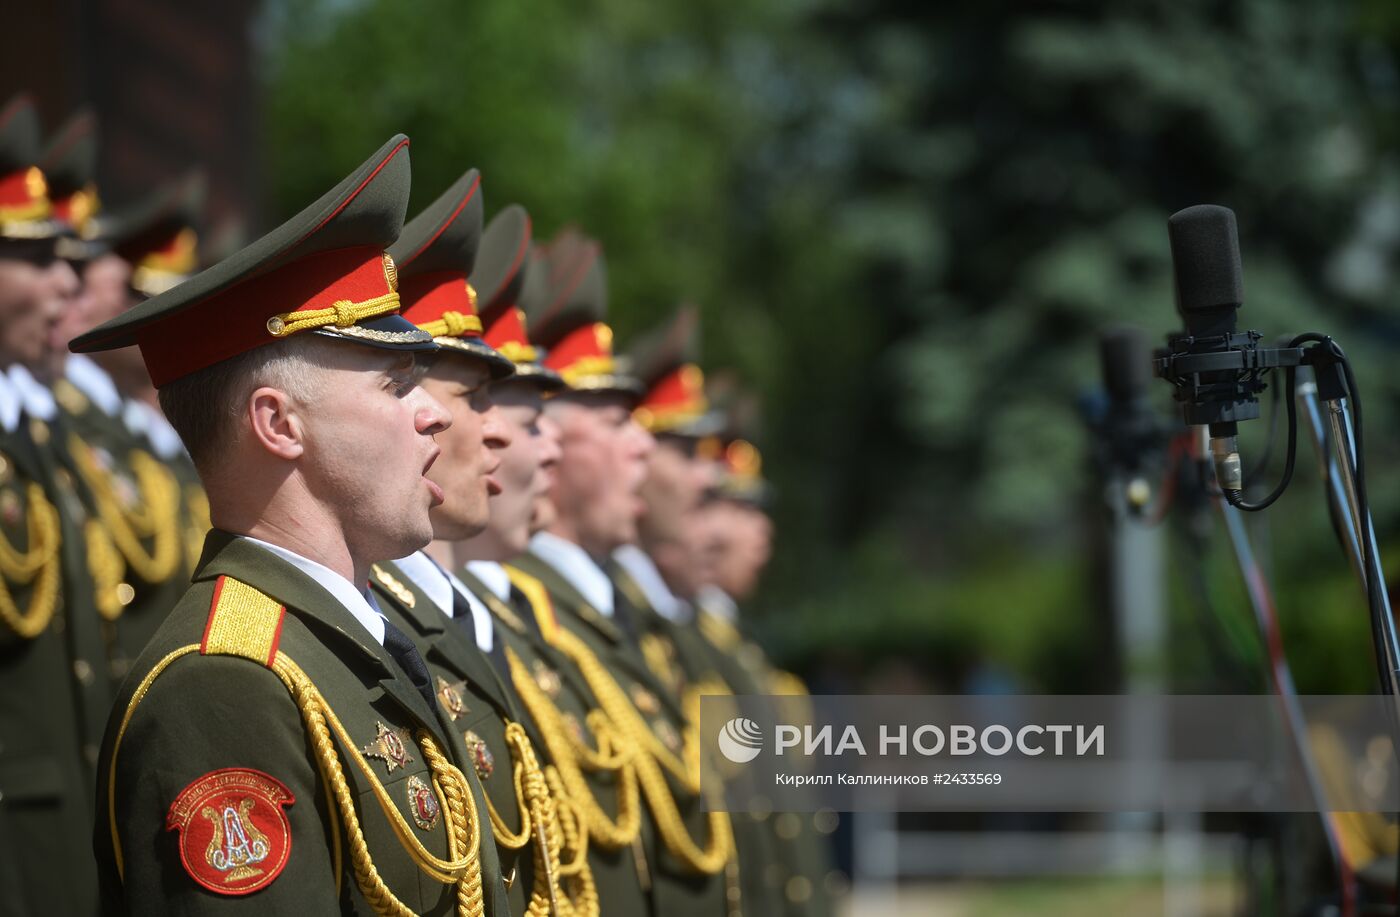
point(798, 890)
point(83, 670)
point(787, 826)
point(125, 593)
point(275, 326)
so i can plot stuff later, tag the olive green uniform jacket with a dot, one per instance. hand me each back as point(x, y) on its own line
point(473, 699)
point(676, 888)
point(127, 487)
point(622, 874)
point(46, 778)
point(784, 858)
point(189, 712)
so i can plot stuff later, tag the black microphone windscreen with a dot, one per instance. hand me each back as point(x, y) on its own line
point(1127, 364)
point(1205, 260)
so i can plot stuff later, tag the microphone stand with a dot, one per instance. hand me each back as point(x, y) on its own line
point(1280, 678)
point(1329, 423)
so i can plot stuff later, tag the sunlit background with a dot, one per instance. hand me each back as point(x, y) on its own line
point(906, 225)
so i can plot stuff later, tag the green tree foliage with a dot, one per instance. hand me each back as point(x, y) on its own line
point(906, 224)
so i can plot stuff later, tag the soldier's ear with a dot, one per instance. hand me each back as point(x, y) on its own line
point(276, 423)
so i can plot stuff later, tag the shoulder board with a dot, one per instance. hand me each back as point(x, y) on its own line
point(538, 596)
point(69, 397)
point(718, 631)
point(401, 593)
point(243, 621)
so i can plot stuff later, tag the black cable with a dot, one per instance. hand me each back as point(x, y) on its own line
point(1236, 498)
point(1268, 452)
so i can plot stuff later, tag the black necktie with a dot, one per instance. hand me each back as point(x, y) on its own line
point(409, 659)
point(465, 619)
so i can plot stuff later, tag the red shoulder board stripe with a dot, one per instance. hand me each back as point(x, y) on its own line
point(235, 837)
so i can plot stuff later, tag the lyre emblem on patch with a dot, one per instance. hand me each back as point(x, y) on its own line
point(398, 590)
point(547, 679)
point(450, 694)
point(482, 760)
point(235, 837)
point(388, 746)
point(423, 804)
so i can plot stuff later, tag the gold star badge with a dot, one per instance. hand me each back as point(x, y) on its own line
point(388, 746)
point(450, 695)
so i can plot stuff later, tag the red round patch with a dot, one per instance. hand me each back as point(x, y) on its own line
point(234, 835)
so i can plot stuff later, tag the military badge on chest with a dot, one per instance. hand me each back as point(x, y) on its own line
point(450, 696)
point(388, 746)
point(423, 804)
point(235, 837)
point(482, 760)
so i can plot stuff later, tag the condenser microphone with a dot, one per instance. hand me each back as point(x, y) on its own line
point(1209, 291)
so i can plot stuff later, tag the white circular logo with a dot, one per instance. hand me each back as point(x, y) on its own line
point(741, 740)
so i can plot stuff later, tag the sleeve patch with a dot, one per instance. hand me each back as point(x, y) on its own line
point(235, 837)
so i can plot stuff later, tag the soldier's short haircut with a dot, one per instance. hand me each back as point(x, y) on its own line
point(206, 406)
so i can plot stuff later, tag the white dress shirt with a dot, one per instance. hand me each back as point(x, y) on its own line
point(10, 405)
point(642, 569)
point(35, 396)
point(439, 584)
point(143, 420)
point(493, 576)
point(719, 603)
point(358, 603)
point(574, 564)
point(94, 382)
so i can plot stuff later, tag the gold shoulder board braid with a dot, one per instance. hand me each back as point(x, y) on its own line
point(246, 622)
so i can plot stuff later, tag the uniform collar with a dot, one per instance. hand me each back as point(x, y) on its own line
point(94, 382)
point(37, 399)
point(574, 564)
point(356, 602)
point(493, 576)
point(639, 565)
point(10, 405)
point(439, 584)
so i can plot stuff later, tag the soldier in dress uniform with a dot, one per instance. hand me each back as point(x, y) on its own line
point(661, 576)
point(279, 745)
point(583, 747)
point(452, 629)
point(51, 705)
point(693, 869)
point(143, 489)
point(733, 543)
